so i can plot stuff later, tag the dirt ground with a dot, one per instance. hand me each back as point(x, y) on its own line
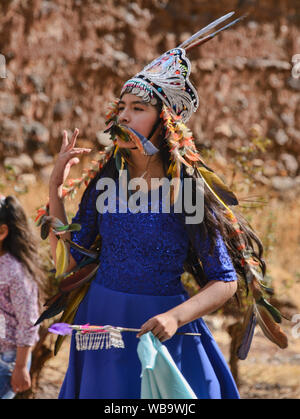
point(267, 373)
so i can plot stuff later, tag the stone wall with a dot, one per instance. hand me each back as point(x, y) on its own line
point(65, 59)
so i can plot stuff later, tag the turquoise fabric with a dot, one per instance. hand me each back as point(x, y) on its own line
point(161, 379)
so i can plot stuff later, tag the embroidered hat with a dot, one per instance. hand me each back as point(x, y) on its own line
point(167, 77)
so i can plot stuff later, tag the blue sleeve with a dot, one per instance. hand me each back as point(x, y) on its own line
point(217, 266)
point(89, 225)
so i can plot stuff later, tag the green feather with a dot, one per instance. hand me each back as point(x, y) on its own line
point(276, 315)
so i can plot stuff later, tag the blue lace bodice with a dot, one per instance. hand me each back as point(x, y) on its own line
point(144, 253)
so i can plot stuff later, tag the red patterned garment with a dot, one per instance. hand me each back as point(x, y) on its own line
point(18, 305)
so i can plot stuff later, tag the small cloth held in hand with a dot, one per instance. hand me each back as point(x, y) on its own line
point(161, 379)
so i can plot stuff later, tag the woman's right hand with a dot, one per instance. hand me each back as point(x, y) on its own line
point(67, 157)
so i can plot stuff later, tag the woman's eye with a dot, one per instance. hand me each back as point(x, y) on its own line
point(120, 109)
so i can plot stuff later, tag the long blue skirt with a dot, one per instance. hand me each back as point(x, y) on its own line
point(116, 373)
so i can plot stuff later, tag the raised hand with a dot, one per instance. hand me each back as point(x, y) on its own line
point(67, 157)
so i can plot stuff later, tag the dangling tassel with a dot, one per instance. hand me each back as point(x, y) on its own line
point(92, 341)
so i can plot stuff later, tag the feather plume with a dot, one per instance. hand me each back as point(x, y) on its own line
point(78, 278)
point(57, 303)
point(206, 29)
point(217, 187)
point(212, 35)
point(257, 293)
point(68, 316)
point(247, 333)
point(270, 329)
point(62, 258)
point(87, 252)
point(275, 314)
point(49, 222)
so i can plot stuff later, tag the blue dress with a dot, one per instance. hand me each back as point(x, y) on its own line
point(142, 259)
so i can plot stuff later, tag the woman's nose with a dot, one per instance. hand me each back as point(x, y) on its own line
point(124, 116)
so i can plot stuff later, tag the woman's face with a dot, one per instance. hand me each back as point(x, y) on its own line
point(136, 114)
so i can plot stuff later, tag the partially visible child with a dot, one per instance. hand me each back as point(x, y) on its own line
point(19, 274)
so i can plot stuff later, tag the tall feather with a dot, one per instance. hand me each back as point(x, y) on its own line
point(247, 333)
point(212, 35)
point(206, 29)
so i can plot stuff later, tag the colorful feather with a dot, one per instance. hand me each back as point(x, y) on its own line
point(257, 293)
point(68, 316)
point(218, 187)
point(274, 313)
point(58, 304)
point(87, 252)
point(75, 279)
point(247, 333)
point(66, 228)
point(49, 223)
point(270, 328)
point(62, 258)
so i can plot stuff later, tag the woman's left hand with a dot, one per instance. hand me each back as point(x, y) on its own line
point(163, 326)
